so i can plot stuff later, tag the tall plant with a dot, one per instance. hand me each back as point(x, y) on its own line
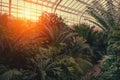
point(106, 17)
point(95, 39)
point(52, 30)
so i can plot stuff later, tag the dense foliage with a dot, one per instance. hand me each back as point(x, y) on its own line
point(46, 50)
point(51, 50)
point(108, 18)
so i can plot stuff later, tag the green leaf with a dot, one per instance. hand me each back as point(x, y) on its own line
point(11, 75)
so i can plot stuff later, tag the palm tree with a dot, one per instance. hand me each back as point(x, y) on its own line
point(42, 68)
point(108, 69)
point(52, 30)
point(91, 45)
point(95, 39)
point(4, 19)
point(11, 75)
point(114, 46)
point(9, 53)
point(106, 17)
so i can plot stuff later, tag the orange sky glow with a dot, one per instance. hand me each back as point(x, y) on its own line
point(24, 9)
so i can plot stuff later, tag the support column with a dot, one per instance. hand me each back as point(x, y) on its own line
point(10, 2)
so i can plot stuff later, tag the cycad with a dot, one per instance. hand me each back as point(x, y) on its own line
point(52, 30)
point(6, 48)
point(114, 41)
point(114, 46)
point(44, 69)
point(9, 53)
point(11, 75)
point(95, 39)
point(86, 32)
point(108, 69)
point(77, 67)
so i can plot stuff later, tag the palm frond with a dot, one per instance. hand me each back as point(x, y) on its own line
point(107, 17)
point(100, 20)
point(11, 75)
point(94, 22)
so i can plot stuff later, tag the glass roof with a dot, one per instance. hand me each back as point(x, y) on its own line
point(73, 11)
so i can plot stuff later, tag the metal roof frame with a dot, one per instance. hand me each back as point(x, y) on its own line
point(73, 7)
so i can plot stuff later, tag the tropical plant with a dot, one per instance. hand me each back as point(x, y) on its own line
point(45, 68)
point(114, 40)
point(11, 75)
point(10, 54)
point(95, 39)
point(108, 69)
point(4, 19)
point(52, 51)
point(114, 46)
point(52, 29)
point(106, 17)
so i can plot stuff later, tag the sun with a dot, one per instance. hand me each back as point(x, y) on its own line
point(27, 14)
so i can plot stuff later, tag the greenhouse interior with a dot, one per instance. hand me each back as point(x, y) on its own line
point(59, 39)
